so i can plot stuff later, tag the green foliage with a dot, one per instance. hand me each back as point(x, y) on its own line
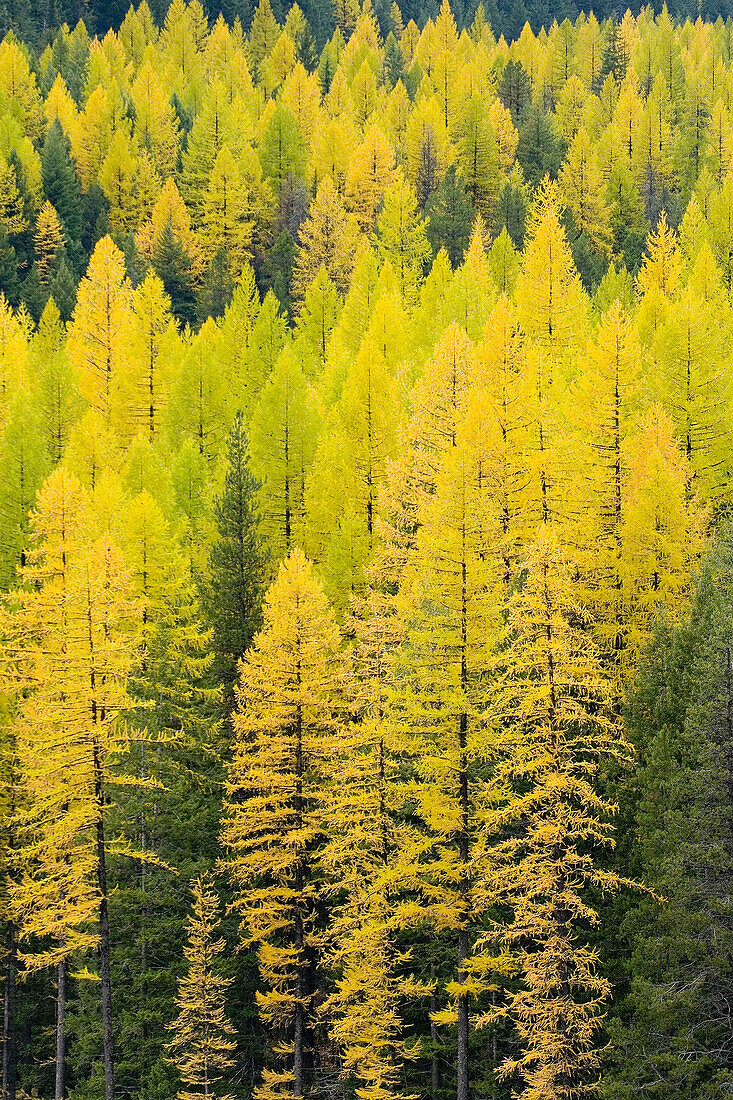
point(236, 570)
point(450, 214)
point(451, 315)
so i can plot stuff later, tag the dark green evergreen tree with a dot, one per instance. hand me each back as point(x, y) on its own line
point(515, 88)
point(62, 188)
point(540, 148)
point(393, 65)
point(673, 1037)
point(63, 290)
point(185, 119)
point(510, 211)
point(95, 217)
point(276, 271)
point(450, 217)
point(615, 58)
point(35, 294)
point(9, 282)
point(173, 266)
point(237, 567)
point(136, 267)
point(217, 287)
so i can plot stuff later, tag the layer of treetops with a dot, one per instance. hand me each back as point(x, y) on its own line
point(366, 626)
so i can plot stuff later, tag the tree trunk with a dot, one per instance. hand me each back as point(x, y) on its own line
point(104, 951)
point(9, 1039)
point(298, 1045)
point(435, 1058)
point(61, 985)
point(463, 846)
point(299, 1025)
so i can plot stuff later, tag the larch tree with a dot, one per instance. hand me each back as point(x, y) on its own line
point(282, 444)
point(607, 395)
point(319, 312)
point(328, 238)
point(581, 186)
point(478, 154)
point(497, 386)
point(692, 381)
point(152, 360)
point(350, 471)
point(449, 604)
point(401, 238)
point(97, 342)
point(552, 703)
point(663, 526)
point(25, 465)
point(282, 152)
point(47, 241)
point(57, 393)
point(11, 803)
point(367, 861)
point(200, 404)
point(287, 727)
point(72, 650)
point(438, 406)
point(203, 1044)
point(226, 217)
point(13, 354)
point(551, 303)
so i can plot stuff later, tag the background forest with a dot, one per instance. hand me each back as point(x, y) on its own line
point(366, 689)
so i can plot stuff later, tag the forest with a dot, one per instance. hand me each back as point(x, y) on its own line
point(366, 557)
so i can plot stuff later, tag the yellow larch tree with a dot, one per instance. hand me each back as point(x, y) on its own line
point(551, 303)
point(117, 180)
point(692, 379)
point(319, 312)
point(282, 444)
point(13, 355)
point(450, 608)
point(581, 186)
point(226, 216)
point(73, 648)
point(498, 388)
point(606, 397)
point(201, 403)
point(663, 527)
point(368, 856)
point(401, 237)
point(287, 726)
point(552, 705)
point(349, 472)
point(658, 279)
point(97, 341)
point(203, 1044)
point(47, 240)
point(153, 357)
point(156, 126)
point(371, 170)
point(169, 209)
point(328, 238)
point(438, 406)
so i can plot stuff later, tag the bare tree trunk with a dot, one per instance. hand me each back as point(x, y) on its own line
point(9, 1038)
point(61, 987)
point(435, 1059)
point(104, 949)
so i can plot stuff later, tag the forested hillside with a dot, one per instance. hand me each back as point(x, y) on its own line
point(366, 689)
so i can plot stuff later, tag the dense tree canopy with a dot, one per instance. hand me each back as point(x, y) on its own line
point(366, 429)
